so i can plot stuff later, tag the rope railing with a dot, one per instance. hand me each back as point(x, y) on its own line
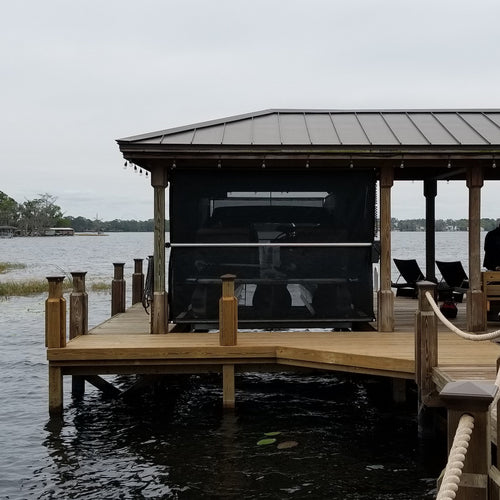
point(456, 459)
point(454, 329)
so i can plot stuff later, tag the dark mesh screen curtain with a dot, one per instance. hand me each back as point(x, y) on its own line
point(290, 239)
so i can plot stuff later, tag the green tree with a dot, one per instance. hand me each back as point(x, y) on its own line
point(9, 210)
point(39, 214)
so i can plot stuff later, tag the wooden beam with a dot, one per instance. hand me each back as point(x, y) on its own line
point(475, 297)
point(385, 314)
point(103, 385)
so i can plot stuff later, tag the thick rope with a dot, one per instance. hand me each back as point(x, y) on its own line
point(147, 296)
point(453, 328)
point(456, 459)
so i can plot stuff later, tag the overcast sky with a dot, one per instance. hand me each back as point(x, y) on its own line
point(78, 74)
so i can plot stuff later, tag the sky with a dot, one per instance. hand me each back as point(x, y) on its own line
point(78, 74)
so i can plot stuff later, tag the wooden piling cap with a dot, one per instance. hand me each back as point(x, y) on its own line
point(469, 393)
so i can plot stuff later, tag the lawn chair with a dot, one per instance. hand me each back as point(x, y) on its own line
point(409, 271)
point(454, 282)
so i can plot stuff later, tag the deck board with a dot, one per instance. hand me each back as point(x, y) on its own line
point(125, 339)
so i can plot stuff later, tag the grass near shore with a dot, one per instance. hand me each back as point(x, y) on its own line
point(9, 266)
point(31, 287)
point(17, 288)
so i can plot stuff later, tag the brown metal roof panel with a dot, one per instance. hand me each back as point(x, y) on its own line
point(404, 129)
point(321, 129)
point(266, 130)
point(484, 126)
point(179, 138)
point(239, 132)
point(376, 129)
point(460, 129)
point(432, 129)
point(349, 129)
point(209, 135)
point(293, 128)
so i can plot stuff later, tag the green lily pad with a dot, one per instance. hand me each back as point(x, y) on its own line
point(276, 433)
point(287, 444)
point(263, 442)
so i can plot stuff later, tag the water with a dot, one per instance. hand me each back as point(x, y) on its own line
point(175, 442)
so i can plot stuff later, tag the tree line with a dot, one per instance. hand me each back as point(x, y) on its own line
point(33, 217)
point(441, 224)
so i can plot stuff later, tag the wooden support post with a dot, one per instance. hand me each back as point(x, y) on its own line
point(78, 323)
point(472, 397)
point(137, 281)
point(55, 391)
point(228, 312)
point(385, 313)
point(426, 344)
point(159, 307)
point(475, 297)
point(55, 337)
point(430, 192)
point(118, 289)
point(78, 306)
point(228, 397)
point(55, 314)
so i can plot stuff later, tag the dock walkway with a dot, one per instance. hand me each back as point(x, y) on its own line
point(123, 344)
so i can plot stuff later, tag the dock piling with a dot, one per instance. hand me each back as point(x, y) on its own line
point(78, 323)
point(55, 337)
point(426, 344)
point(78, 306)
point(55, 314)
point(471, 397)
point(137, 281)
point(228, 312)
point(118, 289)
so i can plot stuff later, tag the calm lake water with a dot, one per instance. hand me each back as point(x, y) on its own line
point(175, 442)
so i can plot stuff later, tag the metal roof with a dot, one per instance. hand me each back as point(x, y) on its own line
point(364, 128)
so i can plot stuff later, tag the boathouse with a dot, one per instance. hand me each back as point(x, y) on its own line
point(285, 201)
point(276, 212)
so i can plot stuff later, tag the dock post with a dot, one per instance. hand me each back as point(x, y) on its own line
point(476, 321)
point(426, 344)
point(385, 302)
point(78, 306)
point(118, 289)
point(78, 322)
point(137, 281)
point(472, 397)
point(228, 331)
point(228, 391)
point(228, 312)
point(55, 337)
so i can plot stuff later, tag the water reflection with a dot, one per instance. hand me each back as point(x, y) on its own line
point(175, 441)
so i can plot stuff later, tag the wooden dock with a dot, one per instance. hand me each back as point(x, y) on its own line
point(123, 344)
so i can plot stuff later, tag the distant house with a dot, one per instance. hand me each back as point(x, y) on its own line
point(8, 231)
point(59, 231)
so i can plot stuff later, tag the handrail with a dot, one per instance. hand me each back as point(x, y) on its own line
point(453, 328)
point(456, 458)
point(266, 244)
